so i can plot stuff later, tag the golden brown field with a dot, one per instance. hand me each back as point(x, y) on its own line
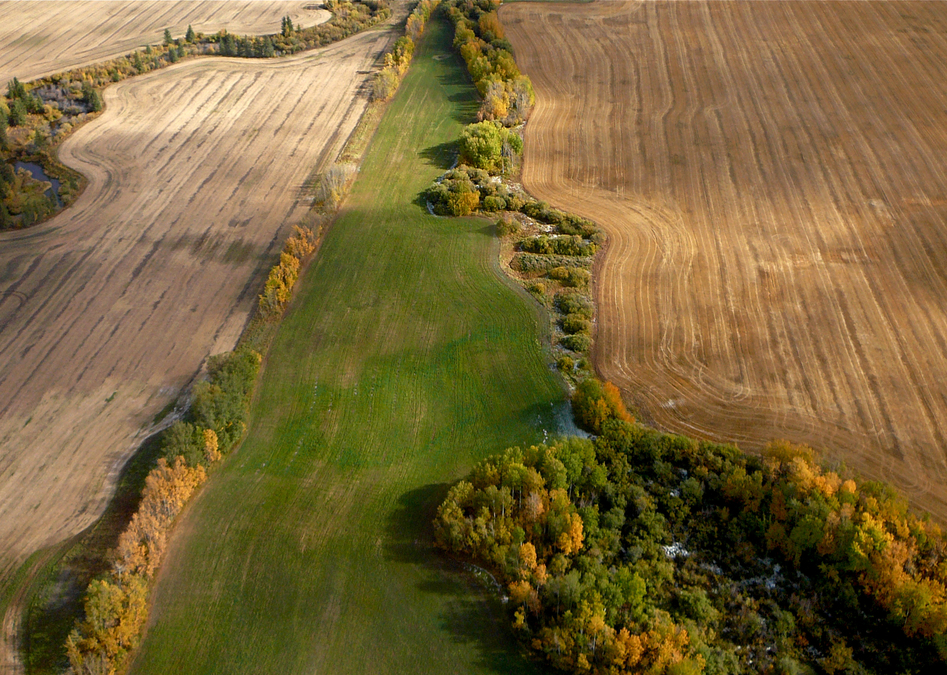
point(772, 179)
point(41, 37)
point(108, 310)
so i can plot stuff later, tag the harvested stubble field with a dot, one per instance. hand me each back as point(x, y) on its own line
point(42, 37)
point(771, 177)
point(404, 358)
point(108, 310)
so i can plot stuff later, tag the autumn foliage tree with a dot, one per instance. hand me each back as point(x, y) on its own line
point(595, 402)
point(282, 277)
point(640, 552)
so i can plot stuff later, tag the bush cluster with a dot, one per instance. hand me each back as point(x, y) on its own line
point(535, 263)
point(563, 245)
point(347, 19)
point(116, 605)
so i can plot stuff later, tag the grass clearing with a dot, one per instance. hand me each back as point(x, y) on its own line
point(405, 358)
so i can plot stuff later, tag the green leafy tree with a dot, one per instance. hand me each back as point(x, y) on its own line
point(17, 113)
point(168, 40)
point(189, 36)
point(481, 145)
point(15, 89)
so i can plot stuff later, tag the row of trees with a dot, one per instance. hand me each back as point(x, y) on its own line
point(282, 278)
point(507, 94)
point(386, 81)
point(116, 604)
point(645, 552)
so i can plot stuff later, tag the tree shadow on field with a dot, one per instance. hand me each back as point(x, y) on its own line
point(56, 600)
point(474, 613)
point(442, 155)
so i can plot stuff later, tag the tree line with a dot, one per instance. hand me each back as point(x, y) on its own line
point(507, 94)
point(396, 61)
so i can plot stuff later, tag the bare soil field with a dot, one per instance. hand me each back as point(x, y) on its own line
point(42, 37)
point(771, 177)
point(108, 310)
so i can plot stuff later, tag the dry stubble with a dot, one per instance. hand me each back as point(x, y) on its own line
point(41, 37)
point(771, 178)
point(108, 310)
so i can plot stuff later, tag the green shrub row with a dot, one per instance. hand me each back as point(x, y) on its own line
point(533, 263)
point(564, 245)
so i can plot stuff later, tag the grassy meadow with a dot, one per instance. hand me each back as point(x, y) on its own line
point(404, 359)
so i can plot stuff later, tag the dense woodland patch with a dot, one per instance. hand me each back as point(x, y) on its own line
point(639, 551)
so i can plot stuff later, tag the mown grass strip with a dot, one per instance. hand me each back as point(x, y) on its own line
point(405, 358)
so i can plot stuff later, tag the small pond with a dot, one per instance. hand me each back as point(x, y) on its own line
point(37, 172)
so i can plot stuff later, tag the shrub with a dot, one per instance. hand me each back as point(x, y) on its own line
point(575, 225)
point(577, 343)
point(183, 439)
point(542, 212)
point(536, 288)
point(574, 277)
point(462, 202)
point(574, 303)
point(570, 245)
point(576, 323)
point(384, 84)
point(491, 203)
point(565, 364)
point(507, 226)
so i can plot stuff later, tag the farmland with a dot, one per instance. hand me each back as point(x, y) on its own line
point(771, 179)
point(108, 310)
point(405, 357)
point(40, 38)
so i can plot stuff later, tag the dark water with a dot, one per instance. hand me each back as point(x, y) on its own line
point(37, 172)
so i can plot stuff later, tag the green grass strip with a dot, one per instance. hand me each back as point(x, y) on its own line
point(405, 358)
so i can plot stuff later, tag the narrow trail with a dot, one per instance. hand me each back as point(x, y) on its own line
point(770, 177)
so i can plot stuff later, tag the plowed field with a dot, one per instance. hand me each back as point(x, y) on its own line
point(107, 310)
point(771, 176)
point(41, 37)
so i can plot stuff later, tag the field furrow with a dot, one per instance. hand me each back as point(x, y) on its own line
point(771, 179)
point(42, 37)
point(108, 310)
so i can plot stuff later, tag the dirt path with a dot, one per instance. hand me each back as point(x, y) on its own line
point(42, 37)
point(108, 310)
point(771, 176)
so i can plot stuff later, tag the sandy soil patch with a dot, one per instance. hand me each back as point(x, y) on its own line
point(108, 310)
point(41, 37)
point(771, 176)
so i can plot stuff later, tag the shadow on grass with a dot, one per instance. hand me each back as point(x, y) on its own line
point(442, 155)
point(474, 614)
point(55, 600)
